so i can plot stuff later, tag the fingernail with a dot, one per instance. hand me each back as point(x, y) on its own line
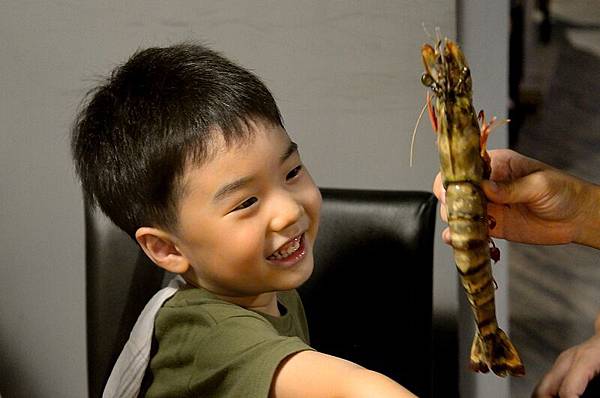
point(443, 196)
point(446, 235)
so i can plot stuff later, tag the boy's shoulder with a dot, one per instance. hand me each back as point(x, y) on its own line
point(215, 311)
point(197, 305)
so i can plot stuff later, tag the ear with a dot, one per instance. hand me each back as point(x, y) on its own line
point(162, 250)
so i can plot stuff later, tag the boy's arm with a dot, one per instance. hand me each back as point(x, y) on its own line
point(313, 374)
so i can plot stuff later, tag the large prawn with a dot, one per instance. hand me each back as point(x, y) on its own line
point(464, 163)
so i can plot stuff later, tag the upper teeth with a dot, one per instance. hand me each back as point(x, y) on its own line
point(287, 249)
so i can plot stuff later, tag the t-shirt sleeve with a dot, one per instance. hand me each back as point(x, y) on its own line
point(240, 357)
point(235, 356)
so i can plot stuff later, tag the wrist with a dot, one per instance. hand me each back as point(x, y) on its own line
point(589, 226)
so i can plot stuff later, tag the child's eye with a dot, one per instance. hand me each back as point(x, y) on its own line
point(247, 203)
point(294, 172)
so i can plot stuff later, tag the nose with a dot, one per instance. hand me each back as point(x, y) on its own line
point(287, 210)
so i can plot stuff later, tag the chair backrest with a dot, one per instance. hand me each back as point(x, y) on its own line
point(369, 299)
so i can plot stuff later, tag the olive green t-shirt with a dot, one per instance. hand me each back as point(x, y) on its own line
point(208, 347)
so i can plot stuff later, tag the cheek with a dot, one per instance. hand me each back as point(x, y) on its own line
point(228, 244)
point(242, 241)
point(313, 201)
point(312, 206)
point(316, 201)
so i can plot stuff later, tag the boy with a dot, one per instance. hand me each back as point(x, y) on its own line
point(186, 152)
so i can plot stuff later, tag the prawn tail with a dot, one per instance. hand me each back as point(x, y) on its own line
point(496, 352)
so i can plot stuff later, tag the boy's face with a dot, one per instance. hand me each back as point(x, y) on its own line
point(248, 218)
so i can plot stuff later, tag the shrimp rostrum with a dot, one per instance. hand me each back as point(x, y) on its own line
point(464, 163)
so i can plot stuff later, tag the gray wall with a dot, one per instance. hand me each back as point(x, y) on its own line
point(345, 75)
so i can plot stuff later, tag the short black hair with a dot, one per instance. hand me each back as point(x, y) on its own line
point(138, 130)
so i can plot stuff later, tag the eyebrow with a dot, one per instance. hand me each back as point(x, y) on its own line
point(236, 185)
point(293, 147)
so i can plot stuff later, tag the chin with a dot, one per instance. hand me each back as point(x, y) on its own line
point(298, 277)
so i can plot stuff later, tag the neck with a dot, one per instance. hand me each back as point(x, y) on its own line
point(262, 302)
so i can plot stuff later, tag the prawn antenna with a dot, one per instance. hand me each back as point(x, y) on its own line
point(426, 31)
point(414, 134)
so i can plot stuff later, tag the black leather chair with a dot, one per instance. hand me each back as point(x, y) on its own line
point(369, 299)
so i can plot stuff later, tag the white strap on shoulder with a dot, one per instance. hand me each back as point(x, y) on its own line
point(126, 376)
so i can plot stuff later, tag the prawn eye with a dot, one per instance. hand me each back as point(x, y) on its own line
point(427, 80)
point(463, 86)
point(468, 81)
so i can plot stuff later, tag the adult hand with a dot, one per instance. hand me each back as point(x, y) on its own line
point(532, 202)
point(573, 370)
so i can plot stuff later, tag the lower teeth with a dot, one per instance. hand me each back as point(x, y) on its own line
point(280, 256)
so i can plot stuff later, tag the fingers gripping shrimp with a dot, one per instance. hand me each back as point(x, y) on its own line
point(464, 163)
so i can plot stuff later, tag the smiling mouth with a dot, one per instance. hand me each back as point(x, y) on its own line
point(290, 251)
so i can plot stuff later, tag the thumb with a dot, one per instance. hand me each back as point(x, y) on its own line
point(522, 190)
